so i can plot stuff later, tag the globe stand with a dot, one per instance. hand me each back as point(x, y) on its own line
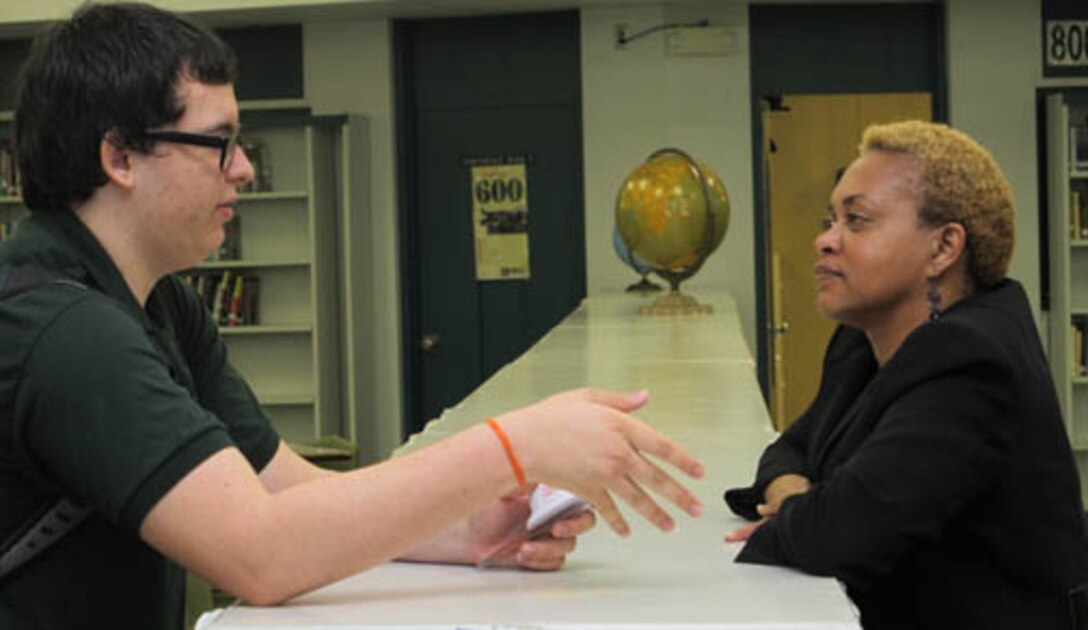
point(645, 285)
point(675, 303)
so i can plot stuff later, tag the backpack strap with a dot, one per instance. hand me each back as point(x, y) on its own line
point(41, 533)
point(64, 515)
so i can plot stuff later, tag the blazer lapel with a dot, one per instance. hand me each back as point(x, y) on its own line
point(850, 419)
point(849, 380)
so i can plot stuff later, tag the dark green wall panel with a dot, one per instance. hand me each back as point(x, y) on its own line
point(498, 68)
point(12, 53)
point(269, 61)
point(842, 49)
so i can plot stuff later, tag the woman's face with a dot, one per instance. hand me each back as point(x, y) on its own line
point(874, 252)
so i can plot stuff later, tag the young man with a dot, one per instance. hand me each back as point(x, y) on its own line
point(115, 390)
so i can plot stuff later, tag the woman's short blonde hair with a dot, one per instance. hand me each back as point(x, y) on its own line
point(961, 183)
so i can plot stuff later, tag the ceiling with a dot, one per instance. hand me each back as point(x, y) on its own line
point(19, 18)
point(302, 10)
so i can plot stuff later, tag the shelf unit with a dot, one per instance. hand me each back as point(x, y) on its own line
point(304, 357)
point(287, 240)
point(1067, 192)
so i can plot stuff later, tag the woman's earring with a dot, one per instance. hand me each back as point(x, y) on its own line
point(934, 298)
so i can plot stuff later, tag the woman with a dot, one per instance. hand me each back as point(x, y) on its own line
point(932, 473)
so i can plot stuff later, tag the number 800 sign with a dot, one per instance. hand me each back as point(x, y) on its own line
point(1066, 43)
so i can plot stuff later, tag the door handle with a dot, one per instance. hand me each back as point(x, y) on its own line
point(429, 342)
point(780, 329)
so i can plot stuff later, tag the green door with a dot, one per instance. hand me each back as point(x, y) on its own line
point(472, 90)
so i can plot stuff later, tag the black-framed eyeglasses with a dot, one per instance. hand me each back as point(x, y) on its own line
point(225, 144)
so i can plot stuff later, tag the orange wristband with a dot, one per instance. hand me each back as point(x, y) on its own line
point(519, 474)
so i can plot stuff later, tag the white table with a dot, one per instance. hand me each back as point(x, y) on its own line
point(704, 394)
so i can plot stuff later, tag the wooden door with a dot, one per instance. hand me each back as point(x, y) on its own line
point(808, 139)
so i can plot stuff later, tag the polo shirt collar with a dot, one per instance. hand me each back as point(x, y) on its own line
point(80, 255)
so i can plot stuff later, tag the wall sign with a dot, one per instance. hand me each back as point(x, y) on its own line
point(500, 217)
point(1065, 38)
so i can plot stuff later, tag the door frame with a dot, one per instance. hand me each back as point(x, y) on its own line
point(404, 131)
point(769, 79)
point(813, 137)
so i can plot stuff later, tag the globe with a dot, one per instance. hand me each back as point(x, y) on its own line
point(637, 264)
point(672, 212)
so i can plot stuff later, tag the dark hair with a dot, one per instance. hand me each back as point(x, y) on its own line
point(110, 71)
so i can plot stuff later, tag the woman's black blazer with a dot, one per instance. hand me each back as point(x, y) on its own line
point(945, 491)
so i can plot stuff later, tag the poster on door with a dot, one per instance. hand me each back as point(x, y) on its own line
point(500, 219)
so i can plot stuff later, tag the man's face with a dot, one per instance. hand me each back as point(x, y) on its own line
point(874, 254)
point(185, 198)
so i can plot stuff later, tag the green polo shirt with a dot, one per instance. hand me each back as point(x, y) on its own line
point(110, 404)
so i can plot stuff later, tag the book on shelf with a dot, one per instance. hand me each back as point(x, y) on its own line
point(1079, 351)
point(221, 294)
point(250, 290)
point(257, 153)
point(231, 296)
point(1078, 211)
point(234, 313)
point(9, 170)
point(1078, 147)
point(1076, 227)
point(7, 229)
point(231, 247)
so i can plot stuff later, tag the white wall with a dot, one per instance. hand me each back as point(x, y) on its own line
point(348, 69)
point(994, 66)
point(634, 102)
point(638, 100)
